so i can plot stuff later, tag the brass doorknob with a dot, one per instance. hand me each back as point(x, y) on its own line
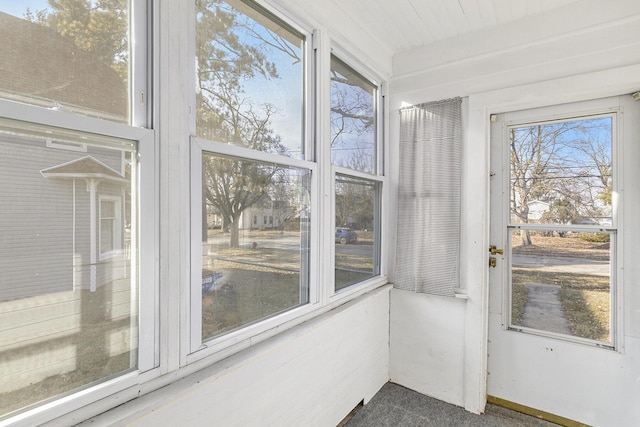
point(494, 251)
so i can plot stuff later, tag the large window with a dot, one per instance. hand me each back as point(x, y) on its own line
point(75, 311)
point(69, 317)
point(355, 155)
point(253, 173)
point(239, 182)
point(250, 76)
point(252, 272)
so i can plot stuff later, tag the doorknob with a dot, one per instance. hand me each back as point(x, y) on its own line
point(494, 251)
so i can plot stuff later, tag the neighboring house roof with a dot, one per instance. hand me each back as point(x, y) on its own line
point(538, 203)
point(85, 167)
point(39, 63)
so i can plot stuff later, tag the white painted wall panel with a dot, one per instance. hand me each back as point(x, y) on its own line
point(311, 375)
point(427, 344)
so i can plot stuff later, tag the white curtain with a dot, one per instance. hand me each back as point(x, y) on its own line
point(428, 245)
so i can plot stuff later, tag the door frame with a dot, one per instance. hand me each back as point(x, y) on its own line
point(476, 196)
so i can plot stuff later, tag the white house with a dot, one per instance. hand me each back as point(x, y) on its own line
point(537, 208)
point(152, 348)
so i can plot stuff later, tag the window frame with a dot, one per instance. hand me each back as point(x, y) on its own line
point(576, 111)
point(145, 236)
point(198, 348)
point(378, 176)
point(144, 245)
point(317, 159)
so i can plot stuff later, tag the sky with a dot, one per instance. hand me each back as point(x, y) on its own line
point(18, 7)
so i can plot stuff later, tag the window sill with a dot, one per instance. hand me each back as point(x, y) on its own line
point(219, 348)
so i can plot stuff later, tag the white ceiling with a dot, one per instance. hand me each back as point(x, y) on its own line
point(399, 25)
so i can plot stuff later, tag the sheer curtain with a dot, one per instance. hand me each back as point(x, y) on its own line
point(428, 236)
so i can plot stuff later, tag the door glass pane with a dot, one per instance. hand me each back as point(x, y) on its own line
point(252, 267)
point(249, 78)
point(561, 227)
point(356, 253)
point(561, 173)
point(68, 318)
point(67, 55)
point(561, 283)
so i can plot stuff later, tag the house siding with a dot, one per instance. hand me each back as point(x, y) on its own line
point(37, 252)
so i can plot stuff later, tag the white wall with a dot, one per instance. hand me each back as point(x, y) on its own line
point(427, 348)
point(311, 375)
point(587, 50)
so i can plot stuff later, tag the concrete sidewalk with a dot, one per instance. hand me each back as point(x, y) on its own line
point(543, 309)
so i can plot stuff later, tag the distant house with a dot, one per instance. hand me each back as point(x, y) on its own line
point(268, 214)
point(537, 208)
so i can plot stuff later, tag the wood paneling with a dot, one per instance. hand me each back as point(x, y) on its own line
point(403, 24)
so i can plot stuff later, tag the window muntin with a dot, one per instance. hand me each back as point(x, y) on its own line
point(357, 230)
point(72, 57)
point(68, 319)
point(252, 271)
point(562, 226)
point(353, 119)
point(249, 79)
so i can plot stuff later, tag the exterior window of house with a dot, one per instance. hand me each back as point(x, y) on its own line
point(355, 155)
point(110, 228)
point(72, 320)
point(251, 146)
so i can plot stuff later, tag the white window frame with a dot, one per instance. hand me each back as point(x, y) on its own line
point(197, 348)
point(579, 110)
point(116, 237)
point(145, 271)
point(144, 241)
point(317, 159)
point(378, 176)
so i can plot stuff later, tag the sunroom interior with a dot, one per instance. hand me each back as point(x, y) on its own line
point(174, 173)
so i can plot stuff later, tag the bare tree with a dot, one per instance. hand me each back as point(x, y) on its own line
point(566, 164)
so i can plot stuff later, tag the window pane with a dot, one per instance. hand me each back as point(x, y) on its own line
point(250, 78)
point(561, 173)
point(67, 317)
point(353, 119)
point(252, 268)
point(562, 283)
point(67, 55)
point(109, 226)
point(356, 236)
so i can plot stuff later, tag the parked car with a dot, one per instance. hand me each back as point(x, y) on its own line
point(345, 235)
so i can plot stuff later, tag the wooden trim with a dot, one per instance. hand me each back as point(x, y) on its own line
point(556, 419)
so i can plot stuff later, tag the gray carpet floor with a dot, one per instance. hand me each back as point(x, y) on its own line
point(397, 406)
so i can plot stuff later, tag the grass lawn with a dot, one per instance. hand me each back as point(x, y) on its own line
point(247, 294)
